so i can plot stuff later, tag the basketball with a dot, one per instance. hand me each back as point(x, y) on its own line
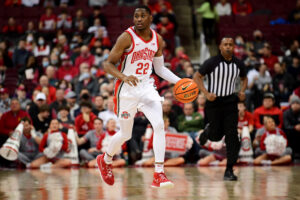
point(186, 90)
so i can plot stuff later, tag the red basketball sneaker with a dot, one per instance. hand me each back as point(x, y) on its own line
point(105, 170)
point(161, 181)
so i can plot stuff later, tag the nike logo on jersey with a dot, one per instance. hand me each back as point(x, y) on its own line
point(184, 88)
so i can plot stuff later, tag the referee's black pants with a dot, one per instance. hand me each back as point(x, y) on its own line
point(222, 116)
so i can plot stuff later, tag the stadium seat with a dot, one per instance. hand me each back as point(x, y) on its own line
point(127, 11)
point(111, 11)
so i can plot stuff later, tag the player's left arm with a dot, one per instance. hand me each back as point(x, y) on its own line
point(159, 66)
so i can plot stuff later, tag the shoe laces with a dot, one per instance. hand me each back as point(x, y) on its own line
point(108, 169)
point(163, 177)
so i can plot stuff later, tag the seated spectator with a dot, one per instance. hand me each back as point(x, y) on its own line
point(13, 2)
point(60, 101)
point(98, 105)
point(92, 137)
point(223, 8)
point(168, 112)
point(167, 30)
point(85, 57)
point(71, 103)
point(245, 118)
point(10, 119)
point(29, 143)
point(294, 69)
point(273, 154)
point(269, 58)
point(86, 81)
point(258, 42)
point(20, 55)
point(64, 3)
point(41, 49)
point(104, 41)
point(160, 4)
point(21, 96)
point(293, 51)
point(31, 71)
point(97, 15)
point(283, 83)
point(64, 118)
point(42, 121)
point(44, 83)
point(96, 26)
point(39, 99)
point(64, 21)
point(294, 16)
point(103, 142)
point(176, 105)
point(291, 121)
point(201, 104)
point(51, 75)
point(101, 3)
point(209, 17)
point(53, 145)
point(239, 48)
point(4, 101)
point(12, 28)
point(5, 58)
point(108, 113)
point(31, 29)
point(48, 21)
point(54, 59)
point(30, 43)
point(190, 121)
point(164, 13)
point(84, 121)
point(79, 17)
point(269, 109)
point(30, 3)
point(66, 71)
point(241, 7)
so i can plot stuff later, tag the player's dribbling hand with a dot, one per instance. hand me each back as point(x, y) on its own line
point(131, 80)
point(242, 96)
point(211, 96)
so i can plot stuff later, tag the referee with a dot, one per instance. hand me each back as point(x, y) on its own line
point(222, 72)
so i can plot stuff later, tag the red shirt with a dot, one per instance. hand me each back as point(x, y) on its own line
point(270, 61)
point(157, 7)
point(170, 30)
point(52, 93)
point(44, 141)
point(81, 126)
point(260, 112)
point(66, 72)
point(104, 40)
point(246, 121)
point(48, 21)
point(10, 29)
point(90, 60)
point(9, 121)
point(238, 8)
point(264, 136)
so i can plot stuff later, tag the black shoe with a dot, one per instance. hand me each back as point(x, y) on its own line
point(229, 175)
point(204, 136)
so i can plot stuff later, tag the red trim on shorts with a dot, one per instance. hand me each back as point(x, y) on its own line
point(132, 43)
point(118, 82)
point(141, 37)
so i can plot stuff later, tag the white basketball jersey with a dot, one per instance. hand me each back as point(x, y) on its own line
point(137, 60)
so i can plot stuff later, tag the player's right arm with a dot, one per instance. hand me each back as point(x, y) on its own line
point(123, 42)
point(199, 79)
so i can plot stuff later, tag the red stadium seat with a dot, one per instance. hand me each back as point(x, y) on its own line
point(111, 11)
point(242, 21)
point(127, 11)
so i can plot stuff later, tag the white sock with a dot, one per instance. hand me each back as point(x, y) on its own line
point(107, 159)
point(159, 167)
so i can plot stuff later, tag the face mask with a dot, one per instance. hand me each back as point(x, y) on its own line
point(62, 86)
point(54, 62)
point(45, 63)
point(238, 42)
point(29, 39)
point(41, 42)
point(93, 71)
point(257, 37)
point(105, 56)
point(109, 76)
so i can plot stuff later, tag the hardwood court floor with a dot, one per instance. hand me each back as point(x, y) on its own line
point(265, 183)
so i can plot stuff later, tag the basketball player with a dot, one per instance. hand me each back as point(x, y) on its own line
point(137, 49)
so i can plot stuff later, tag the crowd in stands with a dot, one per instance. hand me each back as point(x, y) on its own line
point(57, 66)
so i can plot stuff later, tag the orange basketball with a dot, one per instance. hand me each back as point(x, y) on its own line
point(185, 90)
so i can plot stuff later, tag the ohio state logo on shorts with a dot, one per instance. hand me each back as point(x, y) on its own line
point(125, 115)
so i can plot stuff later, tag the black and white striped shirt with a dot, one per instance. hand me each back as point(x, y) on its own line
point(222, 74)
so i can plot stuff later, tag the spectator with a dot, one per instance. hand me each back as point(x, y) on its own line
point(98, 105)
point(97, 15)
point(21, 96)
point(30, 43)
point(30, 3)
point(29, 143)
point(160, 4)
point(201, 104)
point(81, 29)
point(258, 42)
point(31, 29)
point(44, 84)
point(45, 62)
point(10, 120)
point(13, 2)
point(164, 13)
point(294, 50)
point(64, 21)
point(84, 121)
point(48, 21)
point(245, 118)
point(31, 71)
point(53, 145)
point(92, 137)
point(176, 106)
point(294, 16)
point(167, 30)
point(168, 112)
point(42, 49)
point(39, 99)
point(241, 7)
point(283, 83)
point(51, 75)
point(294, 69)
point(71, 103)
point(96, 26)
point(79, 17)
point(85, 57)
point(64, 3)
point(239, 48)
point(54, 59)
point(209, 17)
point(41, 122)
point(269, 58)
point(12, 28)
point(190, 121)
point(64, 118)
point(223, 8)
point(101, 3)
point(88, 82)
point(109, 112)
point(4, 101)
point(269, 157)
point(60, 101)
point(20, 55)
point(5, 58)
point(104, 40)
point(66, 71)
point(268, 108)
